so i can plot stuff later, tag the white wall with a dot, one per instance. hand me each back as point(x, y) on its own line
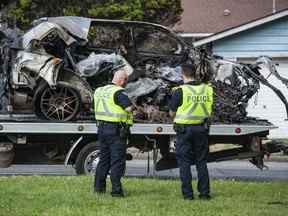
point(267, 105)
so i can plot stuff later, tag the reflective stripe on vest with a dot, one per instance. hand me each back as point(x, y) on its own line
point(196, 105)
point(105, 107)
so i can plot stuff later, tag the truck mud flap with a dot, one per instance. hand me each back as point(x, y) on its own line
point(170, 162)
point(7, 154)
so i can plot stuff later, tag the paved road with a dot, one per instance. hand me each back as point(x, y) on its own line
point(238, 170)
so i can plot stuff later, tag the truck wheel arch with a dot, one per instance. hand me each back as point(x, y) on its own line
point(87, 159)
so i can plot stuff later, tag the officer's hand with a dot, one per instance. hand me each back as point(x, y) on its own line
point(130, 109)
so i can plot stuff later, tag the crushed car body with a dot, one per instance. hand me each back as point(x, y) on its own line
point(53, 69)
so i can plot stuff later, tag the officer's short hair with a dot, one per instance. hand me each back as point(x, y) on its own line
point(188, 69)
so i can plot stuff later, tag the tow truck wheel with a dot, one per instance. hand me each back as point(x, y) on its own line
point(88, 159)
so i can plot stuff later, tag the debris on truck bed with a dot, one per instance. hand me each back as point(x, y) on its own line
point(53, 69)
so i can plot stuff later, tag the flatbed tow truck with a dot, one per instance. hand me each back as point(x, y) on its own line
point(25, 139)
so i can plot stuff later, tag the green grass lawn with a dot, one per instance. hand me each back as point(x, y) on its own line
point(73, 196)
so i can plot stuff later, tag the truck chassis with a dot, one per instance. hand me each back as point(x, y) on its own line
point(24, 139)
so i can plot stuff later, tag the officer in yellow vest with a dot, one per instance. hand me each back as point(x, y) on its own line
point(191, 107)
point(113, 113)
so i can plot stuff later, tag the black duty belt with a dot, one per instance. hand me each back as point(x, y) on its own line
point(106, 123)
point(187, 125)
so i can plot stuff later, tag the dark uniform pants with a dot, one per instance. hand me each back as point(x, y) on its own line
point(112, 157)
point(192, 147)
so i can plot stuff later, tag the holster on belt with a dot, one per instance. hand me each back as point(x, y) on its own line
point(124, 131)
point(206, 124)
point(179, 129)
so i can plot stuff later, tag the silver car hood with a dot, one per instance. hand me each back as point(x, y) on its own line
point(77, 26)
point(42, 30)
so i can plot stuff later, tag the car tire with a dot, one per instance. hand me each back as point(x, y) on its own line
point(67, 113)
point(87, 159)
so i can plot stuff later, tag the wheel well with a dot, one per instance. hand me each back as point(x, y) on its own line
point(79, 147)
point(70, 77)
point(81, 85)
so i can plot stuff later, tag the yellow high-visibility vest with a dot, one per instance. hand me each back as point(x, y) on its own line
point(197, 104)
point(105, 107)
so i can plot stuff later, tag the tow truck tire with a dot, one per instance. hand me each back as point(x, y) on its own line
point(87, 159)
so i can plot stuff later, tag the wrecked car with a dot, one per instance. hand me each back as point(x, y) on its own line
point(53, 69)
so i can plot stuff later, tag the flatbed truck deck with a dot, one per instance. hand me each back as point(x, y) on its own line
point(76, 142)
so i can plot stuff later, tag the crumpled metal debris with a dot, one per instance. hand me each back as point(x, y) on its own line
point(232, 89)
point(170, 74)
point(234, 85)
point(266, 61)
point(93, 65)
point(45, 66)
point(232, 82)
point(225, 69)
point(151, 114)
point(48, 30)
point(143, 86)
point(77, 26)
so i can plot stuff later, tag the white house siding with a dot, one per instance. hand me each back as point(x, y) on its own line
point(267, 105)
point(271, 40)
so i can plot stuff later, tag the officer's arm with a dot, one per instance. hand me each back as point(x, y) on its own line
point(175, 102)
point(212, 96)
point(92, 108)
point(122, 99)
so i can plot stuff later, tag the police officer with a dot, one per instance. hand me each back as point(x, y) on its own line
point(191, 106)
point(113, 113)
